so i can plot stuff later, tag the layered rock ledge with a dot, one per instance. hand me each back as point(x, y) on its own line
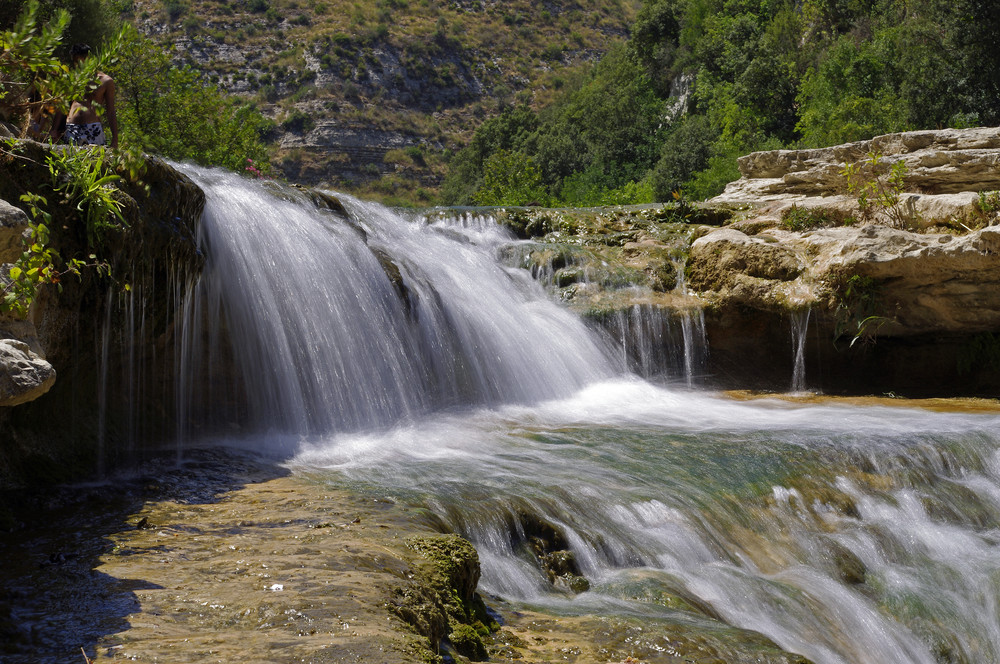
point(902, 297)
point(944, 172)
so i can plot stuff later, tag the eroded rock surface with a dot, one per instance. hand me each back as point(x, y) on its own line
point(922, 283)
point(944, 171)
point(24, 376)
point(13, 222)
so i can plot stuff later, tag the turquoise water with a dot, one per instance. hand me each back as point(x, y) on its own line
point(843, 533)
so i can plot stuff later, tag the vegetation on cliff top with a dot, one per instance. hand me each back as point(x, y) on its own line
point(606, 102)
point(707, 81)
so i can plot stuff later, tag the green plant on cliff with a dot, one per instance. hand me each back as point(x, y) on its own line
point(797, 218)
point(82, 178)
point(860, 308)
point(988, 207)
point(878, 190)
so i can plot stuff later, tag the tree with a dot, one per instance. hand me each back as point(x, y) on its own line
point(172, 111)
point(510, 178)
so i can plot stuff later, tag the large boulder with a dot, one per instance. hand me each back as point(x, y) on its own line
point(24, 376)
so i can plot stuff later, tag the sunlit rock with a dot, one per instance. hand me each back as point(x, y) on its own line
point(24, 376)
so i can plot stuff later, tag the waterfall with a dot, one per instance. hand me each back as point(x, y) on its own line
point(344, 324)
point(398, 354)
point(800, 326)
point(656, 342)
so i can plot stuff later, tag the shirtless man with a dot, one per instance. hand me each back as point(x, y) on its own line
point(83, 126)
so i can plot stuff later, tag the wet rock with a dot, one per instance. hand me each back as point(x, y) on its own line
point(454, 558)
point(468, 643)
point(850, 569)
point(395, 276)
point(443, 595)
point(24, 376)
point(552, 553)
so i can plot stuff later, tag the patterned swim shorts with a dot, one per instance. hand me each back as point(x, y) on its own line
point(85, 134)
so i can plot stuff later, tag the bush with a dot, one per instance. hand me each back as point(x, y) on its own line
point(218, 130)
point(174, 9)
point(510, 178)
point(298, 122)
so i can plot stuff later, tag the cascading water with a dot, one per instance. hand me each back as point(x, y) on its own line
point(800, 326)
point(422, 369)
point(849, 535)
point(341, 325)
point(656, 343)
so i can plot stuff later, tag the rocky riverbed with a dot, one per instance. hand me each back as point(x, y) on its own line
point(231, 557)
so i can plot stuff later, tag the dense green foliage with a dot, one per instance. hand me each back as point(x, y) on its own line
point(163, 108)
point(171, 111)
point(704, 81)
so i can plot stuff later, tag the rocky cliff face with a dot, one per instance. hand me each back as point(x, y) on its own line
point(87, 373)
point(350, 84)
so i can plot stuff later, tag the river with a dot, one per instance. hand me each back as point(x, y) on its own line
point(397, 357)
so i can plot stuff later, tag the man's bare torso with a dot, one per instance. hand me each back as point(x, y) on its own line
point(83, 112)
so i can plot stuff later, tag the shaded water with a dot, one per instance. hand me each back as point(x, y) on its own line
point(402, 358)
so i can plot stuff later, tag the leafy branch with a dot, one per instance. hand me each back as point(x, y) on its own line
point(878, 190)
point(39, 264)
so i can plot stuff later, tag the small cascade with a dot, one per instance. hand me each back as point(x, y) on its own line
point(800, 326)
point(656, 342)
point(337, 324)
point(133, 398)
point(103, 393)
point(845, 534)
point(693, 326)
point(695, 343)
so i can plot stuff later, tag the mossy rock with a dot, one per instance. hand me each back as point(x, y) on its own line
point(452, 557)
point(468, 643)
point(443, 596)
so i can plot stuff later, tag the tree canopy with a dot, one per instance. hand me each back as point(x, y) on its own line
point(701, 82)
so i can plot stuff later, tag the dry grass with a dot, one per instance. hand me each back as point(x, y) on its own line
point(268, 51)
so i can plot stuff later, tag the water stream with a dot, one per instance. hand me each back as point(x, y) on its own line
point(800, 328)
point(399, 356)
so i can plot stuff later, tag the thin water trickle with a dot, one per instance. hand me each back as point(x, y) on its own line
point(800, 327)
